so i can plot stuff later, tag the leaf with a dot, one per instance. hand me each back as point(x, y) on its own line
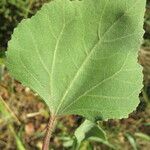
point(86, 145)
point(67, 141)
point(81, 56)
point(19, 143)
point(132, 141)
point(89, 131)
point(143, 136)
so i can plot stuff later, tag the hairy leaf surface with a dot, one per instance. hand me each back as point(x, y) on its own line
point(81, 56)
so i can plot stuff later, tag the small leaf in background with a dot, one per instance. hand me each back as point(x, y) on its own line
point(86, 146)
point(2, 57)
point(68, 142)
point(8, 116)
point(147, 124)
point(19, 143)
point(132, 141)
point(143, 136)
point(90, 131)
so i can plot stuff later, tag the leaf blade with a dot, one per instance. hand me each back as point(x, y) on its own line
point(84, 61)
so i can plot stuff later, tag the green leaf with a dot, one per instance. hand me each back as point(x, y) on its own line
point(92, 132)
point(19, 143)
point(132, 141)
point(143, 136)
point(86, 145)
point(88, 129)
point(81, 56)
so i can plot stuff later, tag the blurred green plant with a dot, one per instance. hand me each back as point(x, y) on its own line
point(84, 137)
point(19, 143)
point(90, 132)
point(143, 136)
point(2, 58)
point(12, 12)
point(131, 140)
point(6, 115)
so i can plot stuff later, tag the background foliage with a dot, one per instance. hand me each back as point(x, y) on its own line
point(12, 12)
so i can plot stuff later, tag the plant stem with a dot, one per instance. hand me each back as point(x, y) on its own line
point(49, 130)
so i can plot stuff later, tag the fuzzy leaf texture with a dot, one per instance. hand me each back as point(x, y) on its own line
point(81, 56)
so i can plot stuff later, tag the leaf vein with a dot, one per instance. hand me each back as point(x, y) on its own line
point(101, 82)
